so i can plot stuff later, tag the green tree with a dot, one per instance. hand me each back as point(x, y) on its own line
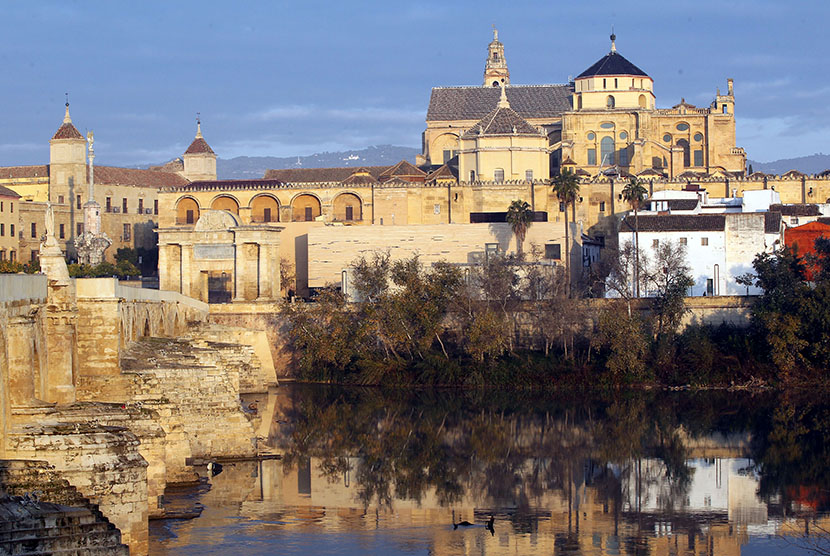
point(635, 194)
point(622, 334)
point(566, 187)
point(520, 218)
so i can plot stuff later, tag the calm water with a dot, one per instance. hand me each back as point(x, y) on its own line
point(658, 473)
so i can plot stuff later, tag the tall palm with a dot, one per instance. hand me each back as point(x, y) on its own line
point(566, 187)
point(635, 194)
point(520, 218)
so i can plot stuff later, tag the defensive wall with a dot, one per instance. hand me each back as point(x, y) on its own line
point(115, 388)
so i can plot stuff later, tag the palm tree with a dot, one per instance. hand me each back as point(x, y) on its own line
point(566, 187)
point(635, 193)
point(520, 218)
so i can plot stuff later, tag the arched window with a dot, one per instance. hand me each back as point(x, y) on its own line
point(187, 211)
point(609, 102)
point(498, 175)
point(223, 202)
point(265, 208)
point(347, 208)
point(642, 101)
point(305, 208)
point(606, 147)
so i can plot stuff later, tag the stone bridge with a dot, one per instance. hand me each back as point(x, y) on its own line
point(116, 387)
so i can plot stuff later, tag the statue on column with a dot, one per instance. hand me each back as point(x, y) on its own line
point(93, 242)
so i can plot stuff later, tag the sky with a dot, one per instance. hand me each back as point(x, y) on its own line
point(276, 78)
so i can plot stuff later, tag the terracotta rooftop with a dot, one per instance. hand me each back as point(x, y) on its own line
point(319, 175)
point(111, 175)
point(12, 172)
point(474, 103)
point(199, 146)
point(6, 192)
point(445, 172)
point(67, 131)
point(403, 169)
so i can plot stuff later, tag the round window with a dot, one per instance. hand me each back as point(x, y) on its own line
point(698, 137)
point(682, 127)
point(607, 125)
point(667, 138)
point(591, 136)
point(623, 135)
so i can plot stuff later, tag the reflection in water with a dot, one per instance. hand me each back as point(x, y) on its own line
point(652, 473)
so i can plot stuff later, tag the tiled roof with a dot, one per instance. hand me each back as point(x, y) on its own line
point(111, 175)
point(12, 172)
point(796, 210)
point(6, 192)
point(772, 222)
point(473, 103)
point(445, 172)
point(677, 223)
point(359, 178)
point(650, 172)
point(502, 121)
point(612, 63)
point(682, 204)
point(319, 175)
point(402, 169)
point(199, 146)
point(67, 131)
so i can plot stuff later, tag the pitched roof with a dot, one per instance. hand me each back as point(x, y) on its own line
point(683, 204)
point(319, 175)
point(67, 131)
point(12, 172)
point(199, 146)
point(502, 121)
point(612, 63)
point(796, 210)
point(111, 175)
point(445, 172)
point(677, 222)
point(473, 103)
point(6, 192)
point(650, 172)
point(403, 169)
point(360, 178)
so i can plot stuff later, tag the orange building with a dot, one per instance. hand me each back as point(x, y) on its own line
point(803, 240)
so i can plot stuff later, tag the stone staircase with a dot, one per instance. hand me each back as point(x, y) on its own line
point(58, 521)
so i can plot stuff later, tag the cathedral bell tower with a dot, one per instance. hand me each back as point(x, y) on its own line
point(496, 73)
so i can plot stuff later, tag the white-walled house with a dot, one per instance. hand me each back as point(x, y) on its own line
point(721, 236)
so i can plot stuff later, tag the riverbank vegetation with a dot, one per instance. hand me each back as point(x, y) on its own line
point(515, 322)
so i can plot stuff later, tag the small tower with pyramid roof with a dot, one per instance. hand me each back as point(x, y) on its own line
point(496, 73)
point(67, 161)
point(503, 147)
point(199, 158)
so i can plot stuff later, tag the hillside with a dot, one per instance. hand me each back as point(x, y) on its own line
point(249, 167)
point(812, 164)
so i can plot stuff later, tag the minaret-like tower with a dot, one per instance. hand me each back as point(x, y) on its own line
point(93, 242)
point(199, 158)
point(496, 73)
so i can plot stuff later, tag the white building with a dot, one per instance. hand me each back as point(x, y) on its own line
point(721, 236)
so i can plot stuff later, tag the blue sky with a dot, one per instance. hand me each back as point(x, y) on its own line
point(293, 78)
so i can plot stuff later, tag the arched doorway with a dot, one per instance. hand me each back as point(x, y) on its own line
point(347, 208)
point(187, 211)
point(305, 208)
point(225, 202)
point(686, 158)
point(265, 208)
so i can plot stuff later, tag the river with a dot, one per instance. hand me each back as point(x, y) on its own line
point(370, 472)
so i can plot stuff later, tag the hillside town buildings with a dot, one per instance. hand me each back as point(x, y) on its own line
point(483, 147)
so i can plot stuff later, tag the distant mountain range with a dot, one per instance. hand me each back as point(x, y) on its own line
point(812, 164)
point(249, 167)
point(253, 167)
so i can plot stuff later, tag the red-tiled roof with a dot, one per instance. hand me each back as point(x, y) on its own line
point(211, 185)
point(199, 146)
point(502, 121)
point(473, 103)
point(6, 192)
point(359, 178)
point(442, 173)
point(12, 172)
point(111, 175)
point(67, 131)
point(403, 169)
point(319, 175)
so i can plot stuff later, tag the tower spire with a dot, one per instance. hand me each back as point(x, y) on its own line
point(66, 118)
point(198, 125)
point(613, 40)
point(503, 102)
